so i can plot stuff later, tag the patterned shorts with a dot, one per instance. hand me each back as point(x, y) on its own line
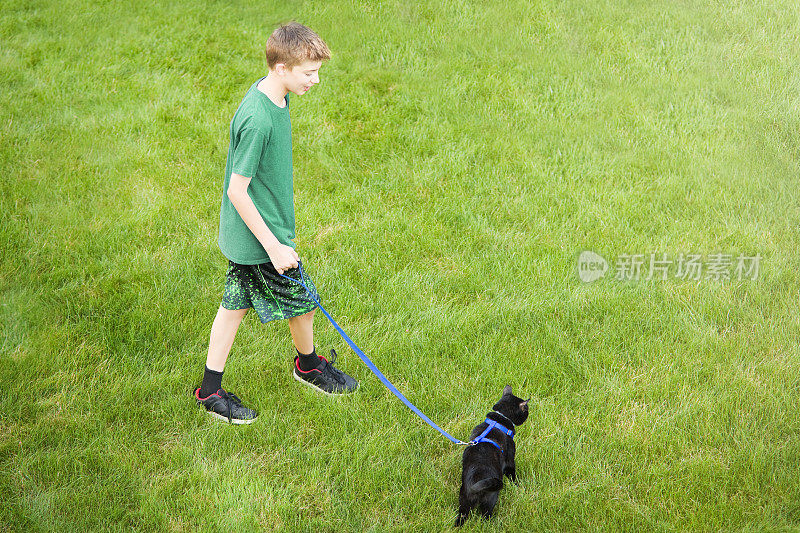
point(262, 288)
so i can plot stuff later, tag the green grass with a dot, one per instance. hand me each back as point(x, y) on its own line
point(449, 169)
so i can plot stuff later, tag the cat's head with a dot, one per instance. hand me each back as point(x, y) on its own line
point(516, 409)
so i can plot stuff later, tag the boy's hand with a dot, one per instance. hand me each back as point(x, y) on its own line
point(283, 257)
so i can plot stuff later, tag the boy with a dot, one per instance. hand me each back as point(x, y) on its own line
point(257, 226)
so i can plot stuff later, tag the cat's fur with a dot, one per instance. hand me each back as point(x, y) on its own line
point(483, 465)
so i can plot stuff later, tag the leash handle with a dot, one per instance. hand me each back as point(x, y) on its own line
point(369, 363)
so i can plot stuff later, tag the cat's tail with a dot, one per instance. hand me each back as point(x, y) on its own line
point(490, 484)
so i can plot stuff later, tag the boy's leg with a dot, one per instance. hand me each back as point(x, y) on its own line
point(218, 402)
point(302, 330)
point(223, 331)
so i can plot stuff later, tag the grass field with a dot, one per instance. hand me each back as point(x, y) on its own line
point(450, 168)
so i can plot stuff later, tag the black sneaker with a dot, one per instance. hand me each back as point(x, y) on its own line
point(226, 406)
point(325, 378)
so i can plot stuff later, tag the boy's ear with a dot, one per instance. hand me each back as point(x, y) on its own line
point(280, 68)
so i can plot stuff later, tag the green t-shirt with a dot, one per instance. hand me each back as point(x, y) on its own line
point(261, 149)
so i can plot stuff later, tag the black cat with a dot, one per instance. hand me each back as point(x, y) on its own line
point(486, 462)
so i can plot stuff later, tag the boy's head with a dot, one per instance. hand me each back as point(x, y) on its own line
point(293, 43)
point(295, 53)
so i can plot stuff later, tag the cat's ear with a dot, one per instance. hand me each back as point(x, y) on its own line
point(524, 406)
point(507, 390)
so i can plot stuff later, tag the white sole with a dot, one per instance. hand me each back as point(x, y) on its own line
point(236, 421)
point(306, 383)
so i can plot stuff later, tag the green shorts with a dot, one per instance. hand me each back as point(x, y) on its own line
point(262, 288)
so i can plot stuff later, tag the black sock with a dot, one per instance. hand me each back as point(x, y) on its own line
point(308, 362)
point(212, 382)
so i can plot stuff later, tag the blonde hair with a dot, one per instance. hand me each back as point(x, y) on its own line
point(293, 43)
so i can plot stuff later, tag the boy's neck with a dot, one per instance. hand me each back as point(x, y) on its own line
point(274, 89)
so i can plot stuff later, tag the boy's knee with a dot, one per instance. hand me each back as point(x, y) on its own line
point(231, 315)
point(303, 318)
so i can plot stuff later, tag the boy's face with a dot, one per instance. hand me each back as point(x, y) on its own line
point(300, 78)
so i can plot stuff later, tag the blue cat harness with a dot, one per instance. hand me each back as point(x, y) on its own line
point(493, 424)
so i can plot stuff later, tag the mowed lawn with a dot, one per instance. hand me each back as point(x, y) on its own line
point(451, 167)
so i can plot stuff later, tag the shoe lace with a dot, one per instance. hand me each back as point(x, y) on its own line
point(337, 374)
point(231, 401)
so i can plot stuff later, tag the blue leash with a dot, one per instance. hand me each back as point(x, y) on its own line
point(369, 363)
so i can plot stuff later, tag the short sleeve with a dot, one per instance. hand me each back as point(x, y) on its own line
point(247, 154)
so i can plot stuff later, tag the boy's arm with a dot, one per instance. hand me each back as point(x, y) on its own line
point(283, 257)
